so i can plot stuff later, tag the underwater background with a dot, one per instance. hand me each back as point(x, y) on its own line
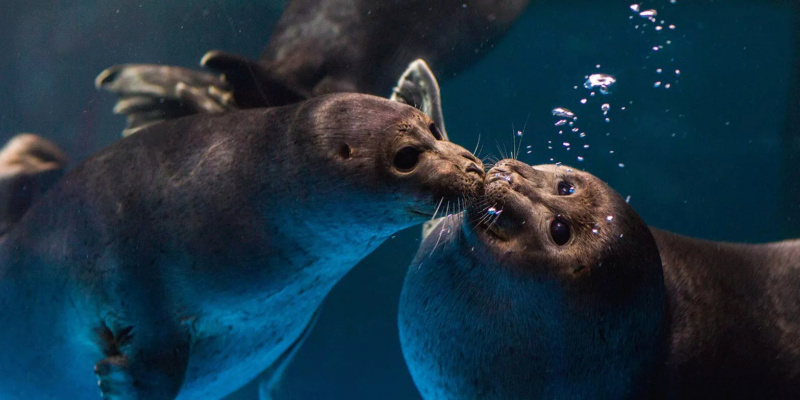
point(707, 144)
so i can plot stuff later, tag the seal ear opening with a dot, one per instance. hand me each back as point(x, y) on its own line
point(345, 151)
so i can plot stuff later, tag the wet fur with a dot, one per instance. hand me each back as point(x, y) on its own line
point(649, 314)
point(190, 256)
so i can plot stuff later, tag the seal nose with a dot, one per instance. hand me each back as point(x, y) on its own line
point(472, 167)
point(473, 164)
point(509, 166)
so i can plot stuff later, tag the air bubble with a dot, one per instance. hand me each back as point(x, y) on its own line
point(648, 14)
point(561, 122)
point(580, 158)
point(621, 165)
point(492, 211)
point(609, 218)
point(562, 112)
point(602, 82)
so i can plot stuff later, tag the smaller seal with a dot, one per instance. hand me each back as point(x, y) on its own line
point(551, 286)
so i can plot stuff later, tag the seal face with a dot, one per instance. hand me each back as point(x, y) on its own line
point(185, 259)
point(524, 294)
point(29, 166)
point(552, 287)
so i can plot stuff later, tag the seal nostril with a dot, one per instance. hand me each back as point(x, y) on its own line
point(435, 131)
point(472, 167)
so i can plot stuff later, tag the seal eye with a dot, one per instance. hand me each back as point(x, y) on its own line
point(559, 231)
point(406, 159)
point(435, 131)
point(565, 188)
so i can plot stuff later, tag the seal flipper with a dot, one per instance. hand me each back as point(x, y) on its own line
point(271, 379)
point(142, 363)
point(152, 93)
point(29, 166)
point(418, 87)
point(253, 85)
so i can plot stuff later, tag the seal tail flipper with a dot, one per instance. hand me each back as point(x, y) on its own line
point(418, 87)
point(271, 380)
point(29, 166)
point(253, 85)
point(152, 93)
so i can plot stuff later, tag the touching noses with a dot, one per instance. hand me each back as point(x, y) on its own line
point(473, 164)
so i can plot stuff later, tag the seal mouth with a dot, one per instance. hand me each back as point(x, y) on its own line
point(494, 230)
point(419, 213)
point(493, 177)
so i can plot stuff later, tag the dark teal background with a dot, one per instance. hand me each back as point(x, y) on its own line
point(707, 157)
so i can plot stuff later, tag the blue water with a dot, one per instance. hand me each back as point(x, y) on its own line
point(702, 157)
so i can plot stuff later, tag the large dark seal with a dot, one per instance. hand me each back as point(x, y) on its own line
point(319, 47)
point(184, 260)
point(552, 287)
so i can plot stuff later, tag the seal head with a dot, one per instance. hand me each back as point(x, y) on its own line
point(549, 287)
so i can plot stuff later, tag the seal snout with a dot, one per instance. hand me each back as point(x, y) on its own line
point(473, 164)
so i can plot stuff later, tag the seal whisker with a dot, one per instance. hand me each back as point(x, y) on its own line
point(441, 232)
point(521, 136)
point(436, 211)
point(501, 150)
point(477, 144)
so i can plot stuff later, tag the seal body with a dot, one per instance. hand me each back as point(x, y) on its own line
point(182, 261)
point(734, 319)
point(552, 287)
point(318, 47)
point(363, 45)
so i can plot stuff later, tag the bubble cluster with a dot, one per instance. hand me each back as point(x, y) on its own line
point(601, 82)
point(661, 36)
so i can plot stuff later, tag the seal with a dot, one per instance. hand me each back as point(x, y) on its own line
point(319, 47)
point(551, 286)
point(29, 166)
point(185, 259)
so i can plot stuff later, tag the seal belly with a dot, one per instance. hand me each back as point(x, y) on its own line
point(232, 346)
point(45, 333)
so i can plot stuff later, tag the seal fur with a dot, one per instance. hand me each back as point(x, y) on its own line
point(494, 307)
point(185, 259)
